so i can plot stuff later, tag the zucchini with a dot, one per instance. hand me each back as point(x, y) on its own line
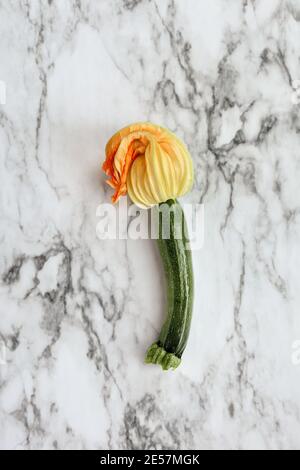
point(177, 261)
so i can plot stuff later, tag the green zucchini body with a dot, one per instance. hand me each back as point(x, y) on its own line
point(177, 261)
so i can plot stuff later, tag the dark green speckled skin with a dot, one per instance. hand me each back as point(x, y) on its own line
point(177, 261)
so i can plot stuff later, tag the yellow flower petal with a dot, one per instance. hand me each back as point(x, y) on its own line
point(149, 162)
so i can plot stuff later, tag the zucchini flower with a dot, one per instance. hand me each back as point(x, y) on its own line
point(150, 163)
point(153, 165)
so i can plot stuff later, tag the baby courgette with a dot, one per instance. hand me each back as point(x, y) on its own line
point(177, 261)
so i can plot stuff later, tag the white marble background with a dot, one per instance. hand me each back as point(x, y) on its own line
point(76, 313)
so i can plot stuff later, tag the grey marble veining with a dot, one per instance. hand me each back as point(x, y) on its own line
point(78, 313)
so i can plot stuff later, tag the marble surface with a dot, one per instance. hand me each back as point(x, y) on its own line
point(78, 313)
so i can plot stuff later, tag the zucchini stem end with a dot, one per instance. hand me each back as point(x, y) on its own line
point(158, 355)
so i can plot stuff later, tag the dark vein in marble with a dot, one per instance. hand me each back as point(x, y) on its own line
point(146, 427)
point(181, 50)
point(266, 126)
point(131, 4)
point(97, 352)
point(54, 301)
point(12, 275)
point(284, 67)
point(32, 425)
